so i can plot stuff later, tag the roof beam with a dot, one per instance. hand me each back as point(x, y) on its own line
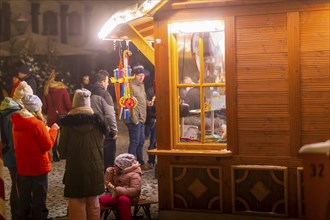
point(139, 41)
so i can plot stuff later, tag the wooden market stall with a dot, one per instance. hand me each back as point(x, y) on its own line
point(238, 93)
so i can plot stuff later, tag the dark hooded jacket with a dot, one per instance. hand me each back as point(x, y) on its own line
point(97, 89)
point(81, 144)
point(7, 108)
point(102, 104)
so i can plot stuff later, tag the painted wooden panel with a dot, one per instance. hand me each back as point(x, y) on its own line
point(197, 187)
point(260, 190)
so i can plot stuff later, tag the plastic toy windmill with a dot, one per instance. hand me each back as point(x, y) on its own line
point(122, 76)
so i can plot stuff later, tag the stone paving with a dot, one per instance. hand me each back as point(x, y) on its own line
point(56, 202)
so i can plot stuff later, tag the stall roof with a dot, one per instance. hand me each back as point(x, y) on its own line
point(137, 24)
point(141, 18)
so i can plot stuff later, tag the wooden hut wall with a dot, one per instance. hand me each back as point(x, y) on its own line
point(278, 99)
point(315, 75)
point(263, 85)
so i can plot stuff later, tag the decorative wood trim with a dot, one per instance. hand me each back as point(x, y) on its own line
point(300, 191)
point(248, 9)
point(294, 81)
point(188, 153)
point(163, 86)
point(231, 84)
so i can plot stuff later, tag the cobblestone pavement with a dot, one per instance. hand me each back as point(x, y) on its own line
point(57, 204)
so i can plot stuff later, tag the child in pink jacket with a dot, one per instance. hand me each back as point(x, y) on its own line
point(124, 182)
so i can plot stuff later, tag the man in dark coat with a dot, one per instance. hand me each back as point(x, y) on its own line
point(102, 104)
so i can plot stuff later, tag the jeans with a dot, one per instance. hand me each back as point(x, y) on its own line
point(109, 152)
point(151, 130)
point(13, 193)
point(136, 140)
point(32, 197)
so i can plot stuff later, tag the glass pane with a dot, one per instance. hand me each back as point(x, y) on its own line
point(188, 68)
point(214, 57)
point(197, 51)
point(189, 114)
point(215, 115)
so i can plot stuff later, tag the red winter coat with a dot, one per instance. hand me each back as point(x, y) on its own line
point(32, 142)
point(57, 99)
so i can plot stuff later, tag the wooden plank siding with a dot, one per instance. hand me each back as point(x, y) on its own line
point(315, 75)
point(262, 84)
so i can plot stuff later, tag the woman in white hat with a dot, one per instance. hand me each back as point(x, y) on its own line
point(81, 145)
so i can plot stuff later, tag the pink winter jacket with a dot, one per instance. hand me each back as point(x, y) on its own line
point(128, 182)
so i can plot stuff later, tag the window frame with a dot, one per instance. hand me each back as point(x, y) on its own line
point(175, 87)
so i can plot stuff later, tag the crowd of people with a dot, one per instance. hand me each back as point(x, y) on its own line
point(36, 131)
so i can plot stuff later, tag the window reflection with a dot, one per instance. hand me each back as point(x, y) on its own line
point(202, 97)
point(215, 115)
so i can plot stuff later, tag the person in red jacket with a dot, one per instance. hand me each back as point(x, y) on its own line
point(56, 99)
point(56, 103)
point(32, 142)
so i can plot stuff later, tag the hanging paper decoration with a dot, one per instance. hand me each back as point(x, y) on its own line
point(122, 76)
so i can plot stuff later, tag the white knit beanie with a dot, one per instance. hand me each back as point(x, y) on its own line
point(81, 98)
point(21, 90)
point(32, 103)
point(124, 160)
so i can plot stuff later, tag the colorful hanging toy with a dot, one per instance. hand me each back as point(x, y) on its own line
point(122, 76)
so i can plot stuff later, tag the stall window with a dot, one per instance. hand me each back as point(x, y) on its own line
point(200, 89)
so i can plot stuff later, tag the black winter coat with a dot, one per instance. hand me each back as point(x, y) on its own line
point(81, 144)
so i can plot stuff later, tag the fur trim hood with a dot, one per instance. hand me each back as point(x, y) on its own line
point(79, 120)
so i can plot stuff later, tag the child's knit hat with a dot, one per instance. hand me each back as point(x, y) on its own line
point(21, 90)
point(124, 160)
point(32, 103)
